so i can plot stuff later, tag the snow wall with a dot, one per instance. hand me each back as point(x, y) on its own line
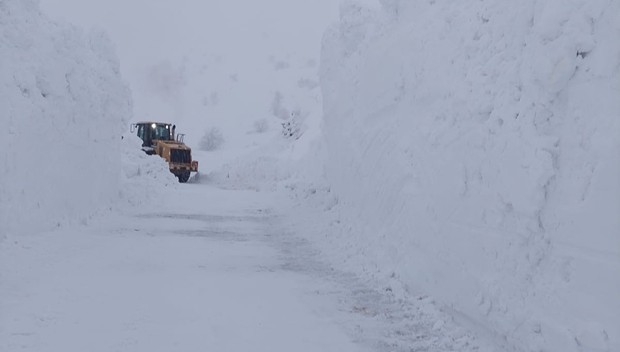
point(63, 108)
point(474, 148)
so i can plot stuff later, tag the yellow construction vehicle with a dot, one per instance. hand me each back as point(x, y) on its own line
point(160, 138)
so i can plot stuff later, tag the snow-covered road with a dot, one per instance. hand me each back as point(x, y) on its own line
point(206, 270)
point(188, 274)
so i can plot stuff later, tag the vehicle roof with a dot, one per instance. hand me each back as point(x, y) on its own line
point(152, 122)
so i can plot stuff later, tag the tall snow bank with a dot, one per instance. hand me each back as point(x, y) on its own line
point(62, 109)
point(474, 148)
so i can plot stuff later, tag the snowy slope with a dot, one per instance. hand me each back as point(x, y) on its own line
point(474, 153)
point(62, 109)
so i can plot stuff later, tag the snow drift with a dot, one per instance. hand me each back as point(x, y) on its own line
point(474, 150)
point(63, 108)
point(144, 178)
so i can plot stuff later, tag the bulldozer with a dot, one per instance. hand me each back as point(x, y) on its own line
point(160, 138)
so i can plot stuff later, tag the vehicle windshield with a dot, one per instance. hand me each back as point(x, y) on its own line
point(161, 132)
point(151, 131)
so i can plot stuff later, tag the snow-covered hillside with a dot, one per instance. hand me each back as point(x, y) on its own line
point(63, 107)
point(474, 153)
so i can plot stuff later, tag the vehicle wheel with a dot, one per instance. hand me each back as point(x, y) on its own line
point(183, 177)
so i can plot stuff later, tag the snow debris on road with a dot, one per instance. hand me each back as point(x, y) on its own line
point(144, 178)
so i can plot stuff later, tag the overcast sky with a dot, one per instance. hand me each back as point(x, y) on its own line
point(146, 29)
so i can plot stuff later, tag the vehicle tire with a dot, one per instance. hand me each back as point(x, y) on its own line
point(183, 177)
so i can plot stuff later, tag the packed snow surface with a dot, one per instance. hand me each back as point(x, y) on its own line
point(208, 269)
point(166, 277)
point(473, 151)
